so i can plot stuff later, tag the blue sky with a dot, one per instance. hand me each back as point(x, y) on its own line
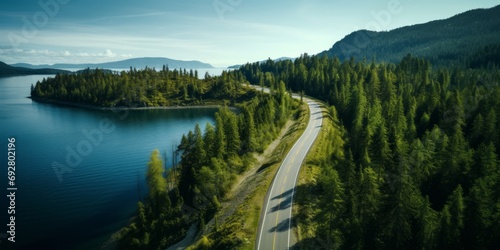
point(220, 32)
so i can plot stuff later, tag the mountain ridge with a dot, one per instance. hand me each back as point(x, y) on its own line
point(7, 70)
point(140, 62)
point(443, 41)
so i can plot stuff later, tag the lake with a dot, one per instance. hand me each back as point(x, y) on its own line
point(79, 172)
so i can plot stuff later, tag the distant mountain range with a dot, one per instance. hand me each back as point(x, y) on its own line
point(7, 70)
point(443, 42)
point(139, 63)
point(463, 38)
point(275, 60)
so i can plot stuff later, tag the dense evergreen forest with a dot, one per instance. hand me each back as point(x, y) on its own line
point(210, 162)
point(139, 88)
point(412, 161)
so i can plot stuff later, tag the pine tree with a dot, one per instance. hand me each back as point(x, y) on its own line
point(232, 133)
point(427, 225)
point(476, 134)
point(333, 202)
point(402, 204)
point(381, 151)
point(157, 183)
point(457, 208)
point(220, 142)
point(491, 127)
point(452, 221)
point(209, 141)
point(198, 152)
point(374, 84)
point(249, 132)
point(369, 202)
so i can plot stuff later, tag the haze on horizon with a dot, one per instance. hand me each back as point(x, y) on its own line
point(219, 32)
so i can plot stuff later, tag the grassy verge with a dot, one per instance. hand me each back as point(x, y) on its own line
point(239, 229)
point(304, 208)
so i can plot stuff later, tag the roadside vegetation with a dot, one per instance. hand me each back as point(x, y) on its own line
point(211, 162)
point(408, 157)
point(239, 229)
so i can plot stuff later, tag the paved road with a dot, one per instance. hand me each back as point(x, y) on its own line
point(275, 227)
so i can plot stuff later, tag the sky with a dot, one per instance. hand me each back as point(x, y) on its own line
point(219, 32)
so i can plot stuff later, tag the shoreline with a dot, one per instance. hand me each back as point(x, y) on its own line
point(87, 106)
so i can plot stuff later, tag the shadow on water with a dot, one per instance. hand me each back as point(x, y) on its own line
point(101, 222)
point(132, 117)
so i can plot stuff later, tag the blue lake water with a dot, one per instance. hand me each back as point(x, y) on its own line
point(79, 172)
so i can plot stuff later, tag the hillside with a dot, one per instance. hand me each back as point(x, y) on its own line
point(452, 40)
point(6, 70)
point(139, 63)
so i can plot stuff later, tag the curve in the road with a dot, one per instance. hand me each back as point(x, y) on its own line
point(275, 225)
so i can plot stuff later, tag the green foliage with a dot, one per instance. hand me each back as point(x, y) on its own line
point(471, 37)
point(158, 219)
point(229, 146)
point(410, 160)
point(210, 162)
point(139, 88)
point(157, 183)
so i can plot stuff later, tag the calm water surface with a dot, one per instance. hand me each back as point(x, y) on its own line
point(101, 159)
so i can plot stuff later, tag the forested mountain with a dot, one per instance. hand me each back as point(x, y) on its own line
point(139, 63)
point(411, 156)
point(443, 42)
point(6, 70)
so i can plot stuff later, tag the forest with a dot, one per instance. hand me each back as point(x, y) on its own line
point(411, 159)
point(139, 88)
point(412, 155)
point(445, 42)
point(191, 191)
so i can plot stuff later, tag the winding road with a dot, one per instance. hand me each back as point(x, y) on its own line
point(275, 225)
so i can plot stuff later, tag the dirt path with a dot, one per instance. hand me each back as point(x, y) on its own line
point(190, 237)
point(243, 186)
point(247, 182)
point(261, 159)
